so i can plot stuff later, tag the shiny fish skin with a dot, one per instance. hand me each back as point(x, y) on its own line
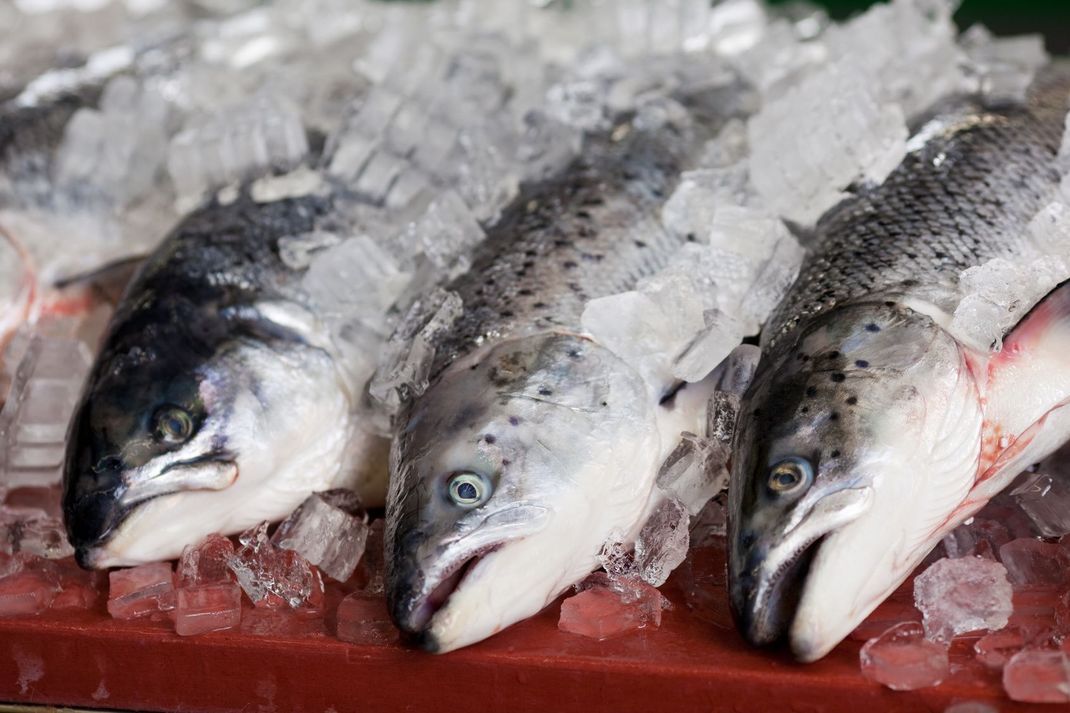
point(962, 199)
point(862, 438)
point(563, 436)
point(215, 326)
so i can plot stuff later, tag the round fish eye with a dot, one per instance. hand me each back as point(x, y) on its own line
point(173, 425)
point(468, 490)
point(790, 475)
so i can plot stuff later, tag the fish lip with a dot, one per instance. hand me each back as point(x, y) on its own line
point(765, 594)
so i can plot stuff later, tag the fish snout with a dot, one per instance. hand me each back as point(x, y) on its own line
point(91, 519)
point(764, 594)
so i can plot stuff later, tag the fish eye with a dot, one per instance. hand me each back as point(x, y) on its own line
point(790, 475)
point(173, 425)
point(468, 490)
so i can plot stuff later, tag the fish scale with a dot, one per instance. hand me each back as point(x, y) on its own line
point(593, 232)
point(963, 198)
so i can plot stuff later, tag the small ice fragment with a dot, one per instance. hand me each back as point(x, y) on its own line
point(33, 422)
point(295, 184)
point(1050, 227)
point(1046, 500)
point(662, 543)
point(1032, 562)
point(979, 322)
point(26, 592)
point(205, 563)
point(904, 660)
point(1035, 676)
point(207, 607)
point(447, 231)
point(690, 210)
point(960, 595)
point(328, 529)
point(605, 608)
point(140, 591)
point(364, 620)
point(406, 362)
point(995, 649)
point(44, 537)
point(273, 577)
point(694, 471)
point(1004, 66)
point(980, 535)
point(335, 269)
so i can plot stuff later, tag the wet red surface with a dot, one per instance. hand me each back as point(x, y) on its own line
point(694, 662)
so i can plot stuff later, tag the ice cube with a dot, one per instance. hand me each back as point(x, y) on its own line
point(1005, 66)
point(447, 231)
point(354, 279)
point(206, 562)
point(33, 422)
point(1045, 499)
point(694, 471)
point(995, 649)
point(207, 607)
point(662, 543)
point(1032, 562)
point(547, 145)
point(79, 589)
point(406, 362)
point(26, 592)
point(329, 530)
point(904, 660)
point(980, 322)
point(960, 595)
point(43, 537)
point(364, 620)
point(487, 178)
point(605, 608)
point(1038, 677)
point(692, 207)
point(1049, 229)
point(852, 135)
point(140, 591)
point(280, 622)
point(273, 577)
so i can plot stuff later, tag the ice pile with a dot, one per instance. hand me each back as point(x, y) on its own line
point(141, 591)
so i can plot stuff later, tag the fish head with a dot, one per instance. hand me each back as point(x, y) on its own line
point(840, 435)
point(169, 445)
point(507, 476)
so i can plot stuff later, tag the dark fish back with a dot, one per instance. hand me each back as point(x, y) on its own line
point(963, 198)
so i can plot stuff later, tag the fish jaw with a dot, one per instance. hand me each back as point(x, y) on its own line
point(285, 439)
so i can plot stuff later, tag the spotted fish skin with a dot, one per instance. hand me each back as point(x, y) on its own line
point(862, 438)
point(963, 198)
point(592, 232)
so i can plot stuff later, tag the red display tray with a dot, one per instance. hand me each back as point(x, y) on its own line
point(689, 664)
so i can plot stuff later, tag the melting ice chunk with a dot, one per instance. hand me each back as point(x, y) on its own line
point(207, 607)
point(904, 660)
point(328, 529)
point(1038, 677)
point(1045, 498)
point(960, 595)
point(995, 649)
point(1031, 562)
point(607, 607)
point(140, 591)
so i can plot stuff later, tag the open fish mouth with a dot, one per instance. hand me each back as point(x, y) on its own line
point(418, 619)
point(764, 605)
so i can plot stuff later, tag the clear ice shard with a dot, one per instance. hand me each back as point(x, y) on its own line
point(1045, 498)
point(662, 543)
point(33, 422)
point(406, 362)
point(328, 529)
point(904, 660)
point(606, 607)
point(273, 577)
point(960, 595)
point(140, 591)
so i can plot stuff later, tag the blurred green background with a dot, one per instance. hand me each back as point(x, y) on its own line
point(1004, 17)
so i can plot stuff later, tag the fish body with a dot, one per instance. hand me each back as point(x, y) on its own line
point(216, 400)
point(534, 444)
point(869, 430)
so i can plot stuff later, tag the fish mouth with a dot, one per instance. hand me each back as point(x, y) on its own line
point(416, 616)
point(767, 578)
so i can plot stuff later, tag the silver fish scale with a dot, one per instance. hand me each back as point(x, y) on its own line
point(963, 198)
point(593, 232)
